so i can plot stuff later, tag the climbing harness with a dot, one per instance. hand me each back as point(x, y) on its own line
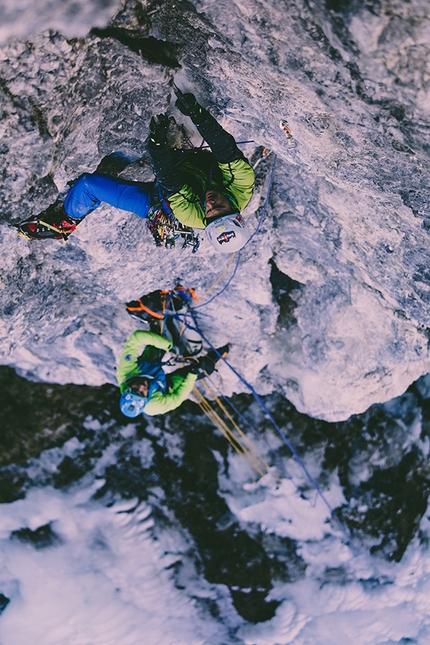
point(155, 309)
point(138, 309)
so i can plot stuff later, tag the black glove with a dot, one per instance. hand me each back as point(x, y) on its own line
point(205, 365)
point(158, 129)
point(187, 104)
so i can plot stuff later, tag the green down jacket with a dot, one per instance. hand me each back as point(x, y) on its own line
point(185, 176)
point(140, 357)
point(237, 181)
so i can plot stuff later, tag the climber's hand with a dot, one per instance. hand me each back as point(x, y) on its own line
point(158, 129)
point(188, 105)
point(203, 366)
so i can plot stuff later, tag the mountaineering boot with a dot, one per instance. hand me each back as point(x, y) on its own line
point(52, 223)
point(205, 365)
point(222, 351)
point(56, 216)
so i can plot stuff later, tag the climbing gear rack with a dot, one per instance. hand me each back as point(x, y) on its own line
point(167, 230)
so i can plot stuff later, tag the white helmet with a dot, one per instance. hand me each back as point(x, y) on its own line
point(227, 233)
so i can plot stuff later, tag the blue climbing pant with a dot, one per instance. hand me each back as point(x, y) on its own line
point(92, 189)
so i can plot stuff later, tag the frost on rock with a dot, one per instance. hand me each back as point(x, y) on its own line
point(347, 222)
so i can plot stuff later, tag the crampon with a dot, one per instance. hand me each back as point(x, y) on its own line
point(36, 228)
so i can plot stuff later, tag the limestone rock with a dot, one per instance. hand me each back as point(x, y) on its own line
point(347, 217)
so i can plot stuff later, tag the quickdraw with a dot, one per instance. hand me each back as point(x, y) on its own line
point(283, 124)
point(167, 230)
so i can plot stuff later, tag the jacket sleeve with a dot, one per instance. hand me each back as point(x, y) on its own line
point(187, 208)
point(180, 389)
point(165, 170)
point(239, 179)
point(220, 142)
point(133, 348)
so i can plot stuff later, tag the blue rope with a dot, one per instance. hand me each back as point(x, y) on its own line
point(224, 288)
point(255, 431)
point(238, 143)
point(266, 201)
point(257, 398)
point(284, 438)
point(260, 220)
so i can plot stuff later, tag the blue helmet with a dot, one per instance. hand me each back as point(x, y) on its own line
point(132, 404)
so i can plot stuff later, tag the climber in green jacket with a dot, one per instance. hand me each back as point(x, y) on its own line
point(145, 387)
point(210, 191)
point(203, 190)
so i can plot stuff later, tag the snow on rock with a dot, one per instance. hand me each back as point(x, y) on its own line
point(102, 583)
point(347, 220)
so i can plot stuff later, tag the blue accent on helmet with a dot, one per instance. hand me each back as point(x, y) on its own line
point(132, 404)
point(232, 200)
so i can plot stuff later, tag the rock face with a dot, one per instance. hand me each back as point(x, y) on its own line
point(330, 302)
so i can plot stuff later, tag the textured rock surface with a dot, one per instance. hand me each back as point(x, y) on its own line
point(347, 222)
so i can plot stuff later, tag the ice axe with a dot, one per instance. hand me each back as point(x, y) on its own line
point(187, 103)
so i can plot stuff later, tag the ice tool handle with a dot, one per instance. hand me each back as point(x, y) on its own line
point(158, 129)
point(188, 105)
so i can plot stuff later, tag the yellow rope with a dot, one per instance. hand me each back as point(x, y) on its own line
point(235, 443)
point(257, 458)
point(220, 423)
point(232, 421)
point(205, 405)
point(223, 428)
point(182, 329)
point(241, 444)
